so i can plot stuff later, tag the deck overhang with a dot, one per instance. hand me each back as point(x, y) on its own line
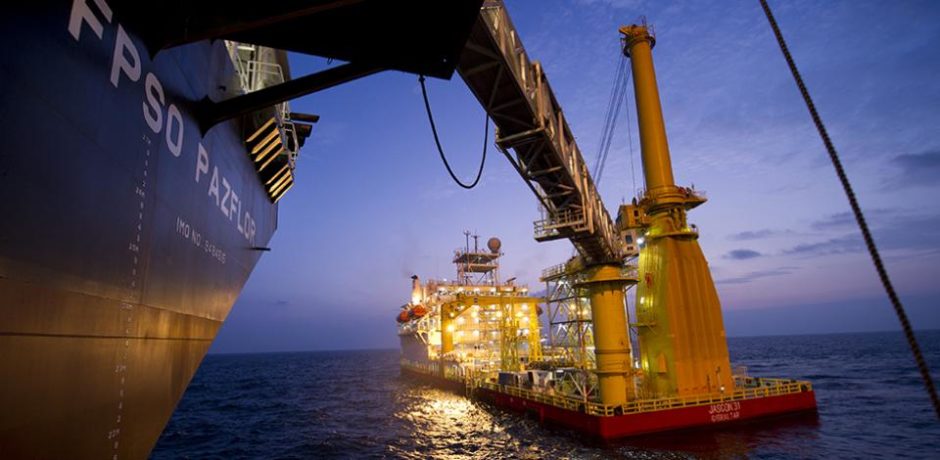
point(417, 36)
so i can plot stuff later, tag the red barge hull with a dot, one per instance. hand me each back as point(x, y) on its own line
point(641, 423)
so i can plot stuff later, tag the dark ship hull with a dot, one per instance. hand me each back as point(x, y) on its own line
point(125, 233)
point(413, 348)
point(131, 213)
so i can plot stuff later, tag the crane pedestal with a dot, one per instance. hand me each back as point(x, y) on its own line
point(684, 349)
point(605, 284)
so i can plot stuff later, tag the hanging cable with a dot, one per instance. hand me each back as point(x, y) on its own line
point(859, 217)
point(630, 144)
point(606, 131)
point(440, 150)
point(614, 105)
point(610, 110)
point(613, 124)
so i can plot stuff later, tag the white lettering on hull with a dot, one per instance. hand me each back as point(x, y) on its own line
point(724, 412)
point(194, 236)
point(160, 116)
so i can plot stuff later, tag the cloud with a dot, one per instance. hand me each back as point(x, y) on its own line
point(754, 234)
point(892, 231)
point(742, 254)
point(838, 220)
point(918, 232)
point(631, 4)
point(755, 275)
point(843, 315)
point(915, 169)
point(845, 220)
point(840, 245)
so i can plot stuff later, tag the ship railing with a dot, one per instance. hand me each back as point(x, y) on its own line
point(769, 387)
point(690, 192)
point(557, 400)
point(554, 271)
point(458, 288)
point(425, 368)
point(554, 223)
point(759, 387)
point(257, 70)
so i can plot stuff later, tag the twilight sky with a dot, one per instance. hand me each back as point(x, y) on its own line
point(374, 205)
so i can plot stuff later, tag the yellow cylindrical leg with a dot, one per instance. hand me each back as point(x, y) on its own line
point(612, 345)
point(535, 343)
point(657, 167)
point(447, 335)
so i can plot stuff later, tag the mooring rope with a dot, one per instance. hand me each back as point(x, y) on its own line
point(859, 217)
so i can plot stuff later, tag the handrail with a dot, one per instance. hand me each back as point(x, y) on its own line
point(256, 71)
point(592, 230)
point(749, 388)
point(554, 270)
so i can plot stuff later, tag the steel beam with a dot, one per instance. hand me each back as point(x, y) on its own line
point(210, 113)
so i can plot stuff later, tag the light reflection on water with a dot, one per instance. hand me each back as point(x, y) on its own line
point(356, 405)
point(454, 427)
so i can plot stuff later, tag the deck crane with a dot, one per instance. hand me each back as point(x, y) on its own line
point(679, 325)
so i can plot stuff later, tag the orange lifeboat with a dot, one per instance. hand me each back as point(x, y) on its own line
point(538, 310)
point(403, 316)
point(419, 311)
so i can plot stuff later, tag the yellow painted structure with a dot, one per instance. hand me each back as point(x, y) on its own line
point(680, 329)
point(613, 355)
point(534, 334)
point(509, 340)
point(447, 334)
point(518, 324)
point(488, 331)
point(447, 329)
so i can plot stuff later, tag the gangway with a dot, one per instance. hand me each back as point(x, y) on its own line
point(517, 96)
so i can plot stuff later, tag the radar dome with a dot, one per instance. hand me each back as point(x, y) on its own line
point(494, 244)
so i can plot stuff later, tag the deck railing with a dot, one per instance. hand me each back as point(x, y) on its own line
point(748, 388)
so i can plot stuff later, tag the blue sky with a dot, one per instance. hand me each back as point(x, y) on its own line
point(374, 204)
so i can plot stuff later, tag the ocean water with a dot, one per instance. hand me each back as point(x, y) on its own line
point(354, 404)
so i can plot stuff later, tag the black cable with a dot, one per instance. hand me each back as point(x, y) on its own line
point(859, 217)
point(620, 98)
point(613, 112)
point(486, 136)
point(630, 144)
point(610, 110)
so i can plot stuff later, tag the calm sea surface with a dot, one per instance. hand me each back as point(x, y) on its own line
point(354, 405)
